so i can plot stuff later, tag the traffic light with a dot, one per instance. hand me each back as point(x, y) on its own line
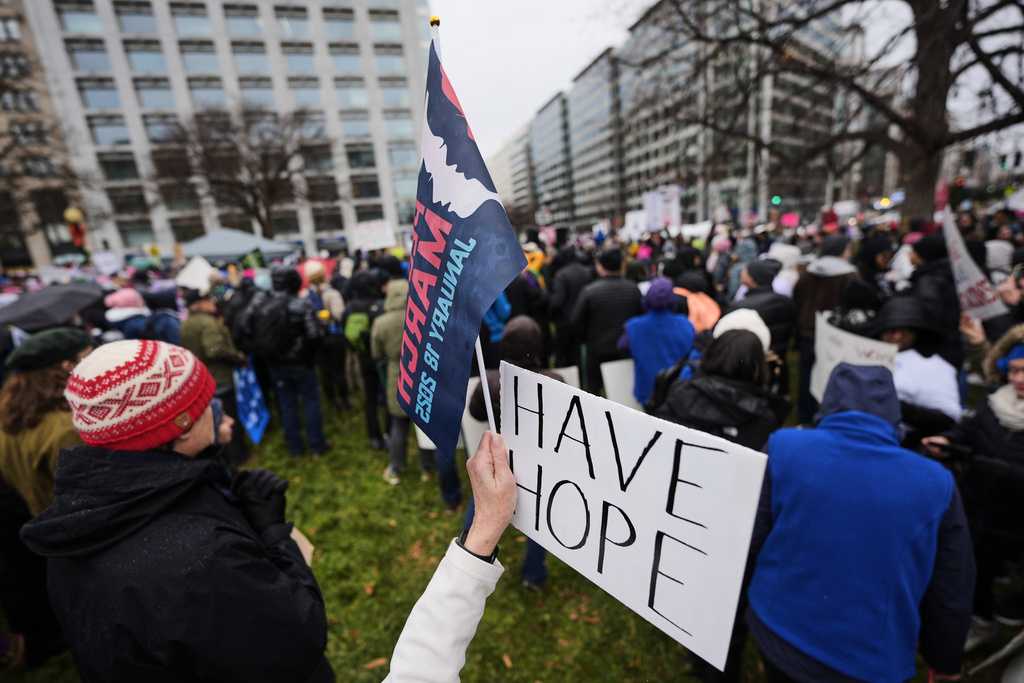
point(776, 200)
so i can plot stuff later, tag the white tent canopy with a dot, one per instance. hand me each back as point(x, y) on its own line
point(228, 244)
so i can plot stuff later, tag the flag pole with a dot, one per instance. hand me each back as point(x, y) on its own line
point(435, 32)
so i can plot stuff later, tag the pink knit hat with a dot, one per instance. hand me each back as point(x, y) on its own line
point(135, 395)
point(124, 298)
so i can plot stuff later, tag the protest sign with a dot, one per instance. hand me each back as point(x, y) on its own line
point(371, 235)
point(107, 262)
point(978, 297)
point(196, 275)
point(833, 346)
point(464, 253)
point(252, 409)
point(656, 514)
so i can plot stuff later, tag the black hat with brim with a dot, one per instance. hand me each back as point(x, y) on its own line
point(47, 348)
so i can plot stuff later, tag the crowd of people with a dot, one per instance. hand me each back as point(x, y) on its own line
point(131, 536)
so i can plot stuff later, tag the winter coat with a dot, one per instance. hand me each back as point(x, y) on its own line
point(28, 459)
point(305, 331)
point(927, 382)
point(566, 287)
point(702, 311)
point(657, 340)
point(778, 312)
point(820, 288)
point(933, 286)
point(386, 339)
point(737, 411)
point(601, 313)
point(209, 339)
point(156, 575)
point(131, 322)
point(851, 524)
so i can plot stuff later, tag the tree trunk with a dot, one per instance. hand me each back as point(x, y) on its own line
point(919, 173)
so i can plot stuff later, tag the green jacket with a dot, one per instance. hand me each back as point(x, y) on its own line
point(28, 459)
point(386, 339)
point(209, 339)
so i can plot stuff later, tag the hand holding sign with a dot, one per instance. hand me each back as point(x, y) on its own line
point(494, 494)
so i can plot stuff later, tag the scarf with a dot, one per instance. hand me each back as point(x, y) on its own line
point(1008, 408)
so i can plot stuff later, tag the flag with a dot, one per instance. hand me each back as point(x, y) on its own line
point(254, 259)
point(464, 253)
point(252, 409)
point(978, 297)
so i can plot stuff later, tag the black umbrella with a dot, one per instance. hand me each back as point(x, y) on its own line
point(50, 306)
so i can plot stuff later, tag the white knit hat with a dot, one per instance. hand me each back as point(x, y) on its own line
point(136, 395)
point(745, 319)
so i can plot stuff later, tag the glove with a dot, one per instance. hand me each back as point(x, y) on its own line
point(261, 494)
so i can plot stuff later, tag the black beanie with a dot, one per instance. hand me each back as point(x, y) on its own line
point(763, 271)
point(931, 248)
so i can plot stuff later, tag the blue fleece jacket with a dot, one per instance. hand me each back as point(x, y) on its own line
point(852, 547)
point(657, 340)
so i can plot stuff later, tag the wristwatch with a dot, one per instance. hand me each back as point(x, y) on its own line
point(461, 541)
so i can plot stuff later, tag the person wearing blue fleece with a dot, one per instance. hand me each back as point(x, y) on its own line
point(861, 552)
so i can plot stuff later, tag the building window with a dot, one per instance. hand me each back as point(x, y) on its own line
point(28, 133)
point(187, 229)
point(346, 59)
point(384, 4)
point(404, 156)
point(128, 200)
point(207, 93)
point(395, 94)
point(257, 92)
point(385, 27)
point(339, 24)
point(190, 19)
point(369, 212)
point(171, 163)
point(179, 197)
point(285, 222)
point(235, 222)
point(405, 184)
point(160, 128)
point(136, 233)
point(298, 57)
point(398, 127)
point(199, 58)
point(243, 20)
point(38, 167)
point(109, 130)
point(154, 93)
point(321, 190)
point(80, 19)
point(250, 58)
point(318, 159)
point(294, 22)
point(19, 100)
point(351, 94)
point(389, 63)
point(355, 127)
point(118, 167)
point(88, 56)
point(135, 17)
point(10, 29)
point(313, 126)
point(145, 57)
point(365, 187)
point(99, 94)
point(13, 66)
point(360, 156)
point(306, 91)
point(328, 220)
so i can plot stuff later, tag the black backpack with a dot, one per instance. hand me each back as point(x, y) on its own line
point(271, 335)
point(663, 382)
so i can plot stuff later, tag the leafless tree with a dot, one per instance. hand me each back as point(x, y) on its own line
point(912, 77)
point(251, 160)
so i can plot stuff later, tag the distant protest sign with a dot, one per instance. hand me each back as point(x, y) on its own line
point(978, 297)
point(656, 514)
point(371, 235)
point(833, 346)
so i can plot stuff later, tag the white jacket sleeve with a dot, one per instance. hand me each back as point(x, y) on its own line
point(432, 646)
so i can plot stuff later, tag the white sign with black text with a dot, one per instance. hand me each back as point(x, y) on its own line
point(656, 514)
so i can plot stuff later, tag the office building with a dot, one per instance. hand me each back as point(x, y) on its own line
point(122, 72)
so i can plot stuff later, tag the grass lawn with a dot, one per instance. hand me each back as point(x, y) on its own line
point(376, 548)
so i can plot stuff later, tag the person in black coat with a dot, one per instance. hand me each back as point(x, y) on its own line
point(933, 286)
point(778, 311)
point(566, 286)
point(161, 566)
point(601, 313)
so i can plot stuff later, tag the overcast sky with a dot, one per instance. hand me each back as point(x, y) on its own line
point(506, 59)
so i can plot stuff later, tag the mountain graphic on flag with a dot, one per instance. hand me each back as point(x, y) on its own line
point(464, 253)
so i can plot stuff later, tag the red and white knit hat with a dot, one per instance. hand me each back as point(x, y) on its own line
point(135, 395)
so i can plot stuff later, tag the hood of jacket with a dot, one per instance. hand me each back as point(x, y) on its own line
point(866, 389)
point(103, 496)
point(722, 402)
point(830, 266)
point(119, 315)
point(397, 293)
point(1014, 336)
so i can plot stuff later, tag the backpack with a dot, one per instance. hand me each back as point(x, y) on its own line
point(242, 324)
point(357, 331)
point(317, 301)
point(271, 334)
point(663, 382)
